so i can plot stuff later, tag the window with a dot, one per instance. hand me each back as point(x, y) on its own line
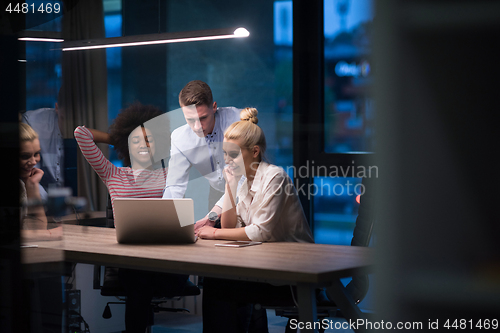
point(113, 28)
point(336, 202)
point(348, 118)
point(253, 72)
point(333, 125)
point(349, 113)
point(43, 61)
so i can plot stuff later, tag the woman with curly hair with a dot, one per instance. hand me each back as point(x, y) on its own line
point(136, 147)
point(140, 135)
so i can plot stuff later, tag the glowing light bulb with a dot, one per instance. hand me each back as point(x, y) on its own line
point(241, 32)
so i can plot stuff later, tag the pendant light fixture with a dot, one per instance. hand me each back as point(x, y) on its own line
point(152, 39)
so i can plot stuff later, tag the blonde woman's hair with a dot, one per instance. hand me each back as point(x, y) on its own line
point(247, 131)
point(26, 133)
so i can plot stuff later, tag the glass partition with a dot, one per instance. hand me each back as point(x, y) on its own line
point(349, 108)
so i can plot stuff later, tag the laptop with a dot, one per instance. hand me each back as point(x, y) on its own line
point(154, 221)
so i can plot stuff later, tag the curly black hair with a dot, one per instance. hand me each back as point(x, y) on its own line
point(128, 120)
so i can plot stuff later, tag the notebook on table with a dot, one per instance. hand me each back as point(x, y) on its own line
point(154, 221)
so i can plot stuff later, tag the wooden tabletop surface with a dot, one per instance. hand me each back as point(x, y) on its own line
point(289, 263)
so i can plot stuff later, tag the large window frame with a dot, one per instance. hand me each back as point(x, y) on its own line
point(308, 102)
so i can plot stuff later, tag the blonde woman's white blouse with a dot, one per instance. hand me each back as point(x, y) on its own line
point(270, 210)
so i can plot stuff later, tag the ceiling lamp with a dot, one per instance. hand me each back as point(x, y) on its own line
point(151, 39)
point(40, 36)
point(36, 39)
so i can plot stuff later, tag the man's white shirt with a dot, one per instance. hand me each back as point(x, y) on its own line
point(204, 153)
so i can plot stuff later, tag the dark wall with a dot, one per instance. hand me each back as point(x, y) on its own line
point(240, 72)
point(144, 68)
point(12, 313)
point(437, 137)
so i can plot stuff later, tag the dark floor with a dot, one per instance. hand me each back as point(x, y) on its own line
point(167, 322)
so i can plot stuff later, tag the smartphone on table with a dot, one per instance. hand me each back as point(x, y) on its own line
point(238, 244)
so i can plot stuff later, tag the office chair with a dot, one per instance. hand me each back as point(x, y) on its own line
point(358, 287)
point(112, 286)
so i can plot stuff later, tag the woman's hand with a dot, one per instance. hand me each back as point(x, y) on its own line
point(56, 233)
point(36, 219)
point(100, 136)
point(36, 175)
point(231, 179)
point(41, 233)
point(202, 223)
point(32, 181)
point(207, 232)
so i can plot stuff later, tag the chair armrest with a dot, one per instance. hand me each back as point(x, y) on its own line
point(190, 289)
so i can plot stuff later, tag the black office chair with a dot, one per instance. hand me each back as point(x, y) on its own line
point(112, 285)
point(358, 287)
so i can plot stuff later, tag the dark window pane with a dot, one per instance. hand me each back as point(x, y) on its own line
point(335, 208)
point(349, 110)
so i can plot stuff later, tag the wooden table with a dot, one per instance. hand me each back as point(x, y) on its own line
point(305, 265)
point(41, 260)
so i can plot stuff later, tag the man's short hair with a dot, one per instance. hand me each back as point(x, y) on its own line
point(196, 92)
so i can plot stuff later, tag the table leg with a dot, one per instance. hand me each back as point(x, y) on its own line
point(307, 305)
point(338, 293)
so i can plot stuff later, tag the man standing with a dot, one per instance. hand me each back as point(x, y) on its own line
point(199, 144)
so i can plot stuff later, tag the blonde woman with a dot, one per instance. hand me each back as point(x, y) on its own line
point(33, 218)
point(265, 207)
point(260, 204)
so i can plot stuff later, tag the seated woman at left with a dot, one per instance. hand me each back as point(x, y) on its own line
point(33, 219)
point(136, 145)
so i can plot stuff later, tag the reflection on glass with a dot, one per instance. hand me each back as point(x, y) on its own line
point(113, 28)
point(43, 67)
point(336, 201)
point(349, 113)
point(249, 72)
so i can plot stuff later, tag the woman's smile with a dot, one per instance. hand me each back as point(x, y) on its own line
point(28, 157)
point(141, 147)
